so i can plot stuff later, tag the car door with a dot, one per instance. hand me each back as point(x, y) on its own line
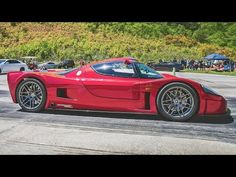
point(115, 80)
point(6, 66)
point(15, 65)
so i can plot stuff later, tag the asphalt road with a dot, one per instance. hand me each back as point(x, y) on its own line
point(90, 132)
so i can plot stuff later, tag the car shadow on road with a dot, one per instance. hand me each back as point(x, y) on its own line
point(226, 119)
point(87, 113)
point(222, 119)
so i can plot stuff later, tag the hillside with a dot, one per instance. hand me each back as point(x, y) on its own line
point(94, 41)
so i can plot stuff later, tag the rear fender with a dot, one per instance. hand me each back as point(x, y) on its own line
point(15, 78)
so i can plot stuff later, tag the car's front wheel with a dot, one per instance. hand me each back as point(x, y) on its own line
point(31, 95)
point(177, 102)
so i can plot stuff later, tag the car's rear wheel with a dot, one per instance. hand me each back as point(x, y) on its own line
point(177, 102)
point(0, 71)
point(31, 95)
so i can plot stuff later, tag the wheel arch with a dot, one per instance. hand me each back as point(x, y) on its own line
point(28, 78)
point(182, 82)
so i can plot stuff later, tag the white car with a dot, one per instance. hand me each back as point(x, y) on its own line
point(7, 65)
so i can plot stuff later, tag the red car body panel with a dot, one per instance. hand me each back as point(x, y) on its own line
point(90, 90)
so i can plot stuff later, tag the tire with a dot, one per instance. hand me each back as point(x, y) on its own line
point(0, 71)
point(177, 102)
point(31, 95)
point(22, 69)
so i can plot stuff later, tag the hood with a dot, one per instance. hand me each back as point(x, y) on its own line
point(168, 76)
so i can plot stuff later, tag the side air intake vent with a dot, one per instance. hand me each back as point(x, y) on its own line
point(62, 92)
point(147, 100)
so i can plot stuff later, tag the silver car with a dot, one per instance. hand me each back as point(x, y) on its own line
point(7, 65)
point(47, 65)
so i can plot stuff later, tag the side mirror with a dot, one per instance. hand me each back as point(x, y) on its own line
point(127, 62)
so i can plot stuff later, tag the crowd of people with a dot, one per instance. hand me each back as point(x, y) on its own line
point(193, 64)
point(215, 65)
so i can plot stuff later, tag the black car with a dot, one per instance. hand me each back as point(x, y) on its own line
point(66, 64)
point(167, 66)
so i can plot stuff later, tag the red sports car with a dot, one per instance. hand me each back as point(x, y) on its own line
point(118, 84)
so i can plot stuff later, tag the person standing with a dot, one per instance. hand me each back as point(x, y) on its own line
point(82, 62)
point(201, 65)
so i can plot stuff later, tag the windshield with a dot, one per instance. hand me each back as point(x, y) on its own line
point(147, 72)
point(1, 61)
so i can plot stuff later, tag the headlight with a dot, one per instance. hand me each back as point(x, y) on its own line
point(209, 90)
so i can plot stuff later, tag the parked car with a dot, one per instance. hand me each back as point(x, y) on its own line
point(7, 65)
point(66, 64)
point(167, 66)
point(118, 84)
point(47, 65)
